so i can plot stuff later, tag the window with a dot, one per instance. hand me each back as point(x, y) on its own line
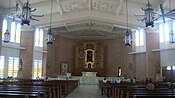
point(173, 67)
point(161, 35)
point(167, 32)
point(164, 31)
point(2, 66)
point(18, 32)
point(12, 32)
point(39, 33)
point(170, 68)
point(37, 68)
point(139, 37)
point(13, 66)
point(15, 31)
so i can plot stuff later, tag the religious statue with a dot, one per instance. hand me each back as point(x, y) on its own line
point(20, 70)
point(89, 56)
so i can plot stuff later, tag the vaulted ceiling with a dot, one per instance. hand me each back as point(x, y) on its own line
point(90, 19)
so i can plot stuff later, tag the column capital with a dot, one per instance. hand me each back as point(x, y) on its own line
point(151, 30)
point(27, 28)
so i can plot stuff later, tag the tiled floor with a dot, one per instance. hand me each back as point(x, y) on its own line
point(86, 91)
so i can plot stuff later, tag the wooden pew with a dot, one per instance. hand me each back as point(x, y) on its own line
point(54, 89)
point(140, 91)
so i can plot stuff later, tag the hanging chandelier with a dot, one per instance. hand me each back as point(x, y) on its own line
point(7, 36)
point(26, 14)
point(7, 33)
point(149, 15)
point(50, 38)
point(172, 37)
point(127, 37)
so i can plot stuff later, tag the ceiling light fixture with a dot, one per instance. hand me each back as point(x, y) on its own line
point(127, 37)
point(7, 33)
point(49, 34)
point(26, 14)
point(148, 17)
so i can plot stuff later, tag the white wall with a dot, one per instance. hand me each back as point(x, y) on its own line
point(167, 54)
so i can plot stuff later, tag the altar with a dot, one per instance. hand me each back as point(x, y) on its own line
point(79, 71)
point(89, 74)
point(89, 78)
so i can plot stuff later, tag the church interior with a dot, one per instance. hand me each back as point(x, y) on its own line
point(68, 44)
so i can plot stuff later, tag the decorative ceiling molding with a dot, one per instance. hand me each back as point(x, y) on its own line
point(86, 15)
point(60, 10)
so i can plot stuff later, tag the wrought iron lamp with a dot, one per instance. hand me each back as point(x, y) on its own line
point(50, 38)
point(149, 15)
point(127, 37)
point(7, 33)
point(7, 36)
point(26, 14)
point(49, 34)
point(172, 37)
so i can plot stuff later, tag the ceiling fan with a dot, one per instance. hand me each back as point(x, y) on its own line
point(170, 14)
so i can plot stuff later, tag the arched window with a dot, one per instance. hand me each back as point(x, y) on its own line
point(4, 28)
point(41, 38)
point(13, 31)
point(14, 28)
point(39, 33)
point(174, 27)
point(139, 37)
point(36, 36)
point(18, 32)
point(161, 35)
point(167, 32)
point(164, 31)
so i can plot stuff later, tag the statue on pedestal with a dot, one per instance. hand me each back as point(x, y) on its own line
point(20, 70)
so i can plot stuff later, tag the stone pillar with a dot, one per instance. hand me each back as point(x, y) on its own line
point(27, 41)
point(51, 59)
point(1, 23)
point(44, 55)
point(152, 58)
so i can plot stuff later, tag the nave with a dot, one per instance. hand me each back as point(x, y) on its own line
point(86, 91)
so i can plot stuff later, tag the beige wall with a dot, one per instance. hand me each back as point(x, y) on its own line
point(140, 66)
point(116, 55)
point(63, 50)
point(27, 54)
point(153, 58)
